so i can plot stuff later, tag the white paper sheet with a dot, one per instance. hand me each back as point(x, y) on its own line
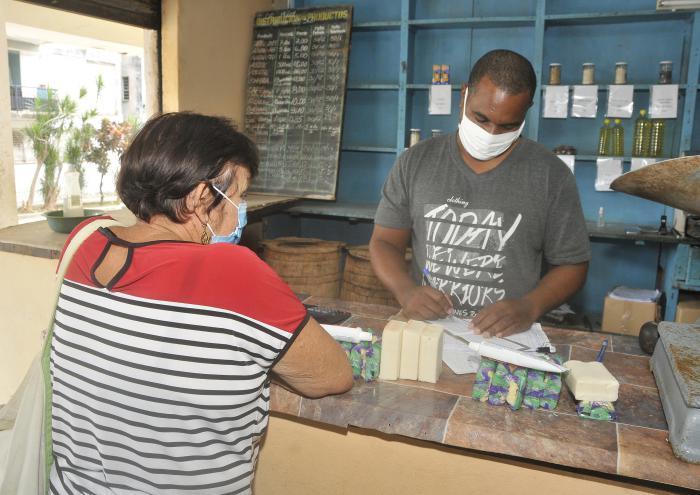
point(556, 102)
point(620, 101)
point(663, 101)
point(638, 163)
point(631, 294)
point(461, 359)
point(440, 99)
point(570, 161)
point(609, 169)
point(585, 101)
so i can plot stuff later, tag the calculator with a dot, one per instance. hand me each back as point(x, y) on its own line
point(326, 315)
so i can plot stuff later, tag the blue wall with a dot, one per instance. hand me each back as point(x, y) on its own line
point(545, 30)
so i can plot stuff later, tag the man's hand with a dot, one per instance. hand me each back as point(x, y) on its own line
point(425, 303)
point(505, 318)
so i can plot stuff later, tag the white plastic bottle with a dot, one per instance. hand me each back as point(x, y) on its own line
point(72, 197)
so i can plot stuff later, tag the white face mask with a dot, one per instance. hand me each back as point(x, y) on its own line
point(480, 143)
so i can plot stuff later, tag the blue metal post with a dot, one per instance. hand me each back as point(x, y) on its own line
point(691, 88)
point(403, 76)
point(533, 117)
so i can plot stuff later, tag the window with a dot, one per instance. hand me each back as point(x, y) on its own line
point(125, 88)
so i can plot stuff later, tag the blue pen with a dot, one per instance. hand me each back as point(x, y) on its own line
point(601, 352)
point(426, 275)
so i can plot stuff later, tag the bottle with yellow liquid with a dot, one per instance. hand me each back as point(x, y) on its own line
point(642, 135)
point(618, 139)
point(604, 140)
point(656, 139)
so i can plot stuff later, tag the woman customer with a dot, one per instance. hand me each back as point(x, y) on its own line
point(167, 334)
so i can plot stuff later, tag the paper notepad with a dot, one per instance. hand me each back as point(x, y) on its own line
point(461, 359)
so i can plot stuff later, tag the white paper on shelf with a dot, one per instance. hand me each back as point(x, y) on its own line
point(663, 101)
point(461, 359)
point(620, 101)
point(631, 294)
point(570, 161)
point(440, 99)
point(556, 102)
point(585, 101)
point(609, 169)
point(638, 163)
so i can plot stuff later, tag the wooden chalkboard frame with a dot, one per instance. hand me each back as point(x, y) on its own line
point(282, 164)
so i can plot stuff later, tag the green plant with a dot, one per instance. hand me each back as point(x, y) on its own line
point(53, 119)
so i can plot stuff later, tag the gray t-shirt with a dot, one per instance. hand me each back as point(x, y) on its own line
point(482, 237)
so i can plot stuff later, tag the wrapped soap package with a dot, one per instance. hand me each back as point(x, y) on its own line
point(501, 383)
point(364, 358)
point(600, 410)
point(517, 378)
point(484, 374)
point(534, 389)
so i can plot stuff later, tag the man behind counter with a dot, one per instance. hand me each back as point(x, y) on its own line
point(482, 208)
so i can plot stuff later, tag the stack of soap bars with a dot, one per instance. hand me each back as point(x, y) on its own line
point(501, 383)
point(411, 351)
point(594, 388)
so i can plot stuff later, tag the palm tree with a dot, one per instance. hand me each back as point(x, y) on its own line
point(53, 119)
point(53, 169)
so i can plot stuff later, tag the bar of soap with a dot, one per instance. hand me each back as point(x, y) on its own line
point(410, 348)
point(430, 354)
point(392, 338)
point(482, 381)
point(591, 381)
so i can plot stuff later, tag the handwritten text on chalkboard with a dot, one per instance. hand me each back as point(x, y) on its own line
point(296, 93)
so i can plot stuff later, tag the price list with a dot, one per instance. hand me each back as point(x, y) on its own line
point(296, 94)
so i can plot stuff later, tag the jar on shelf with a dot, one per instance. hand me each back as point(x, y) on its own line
point(588, 73)
point(414, 137)
point(554, 74)
point(435, 132)
point(665, 72)
point(621, 73)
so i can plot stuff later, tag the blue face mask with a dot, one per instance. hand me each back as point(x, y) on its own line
point(235, 236)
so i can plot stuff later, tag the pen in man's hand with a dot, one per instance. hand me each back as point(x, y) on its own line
point(601, 352)
point(427, 277)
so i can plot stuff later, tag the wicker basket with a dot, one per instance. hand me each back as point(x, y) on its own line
point(360, 282)
point(310, 266)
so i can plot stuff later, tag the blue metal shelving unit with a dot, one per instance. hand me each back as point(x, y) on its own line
point(395, 43)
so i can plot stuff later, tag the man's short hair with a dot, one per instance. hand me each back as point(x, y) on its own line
point(508, 70)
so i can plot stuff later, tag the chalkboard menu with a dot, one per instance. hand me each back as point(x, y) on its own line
point(296, 94)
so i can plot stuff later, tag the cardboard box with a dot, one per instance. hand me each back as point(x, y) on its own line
point(627, 317)
point(688, 309)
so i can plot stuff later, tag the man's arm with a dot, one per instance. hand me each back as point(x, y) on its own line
point(515, 315)
point(387, 250)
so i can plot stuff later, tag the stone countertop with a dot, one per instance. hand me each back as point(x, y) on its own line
point(635, 446)
point(37, 239)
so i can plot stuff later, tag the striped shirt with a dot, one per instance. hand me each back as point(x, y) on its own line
point(161, 377)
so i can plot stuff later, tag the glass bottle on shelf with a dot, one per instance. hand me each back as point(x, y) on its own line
point(621, 73)
point(554, 74)
point(588, 76)
point(604, 139)
point(642, 135)
point(656, 139)
point(618, 139)
point(665, 72)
